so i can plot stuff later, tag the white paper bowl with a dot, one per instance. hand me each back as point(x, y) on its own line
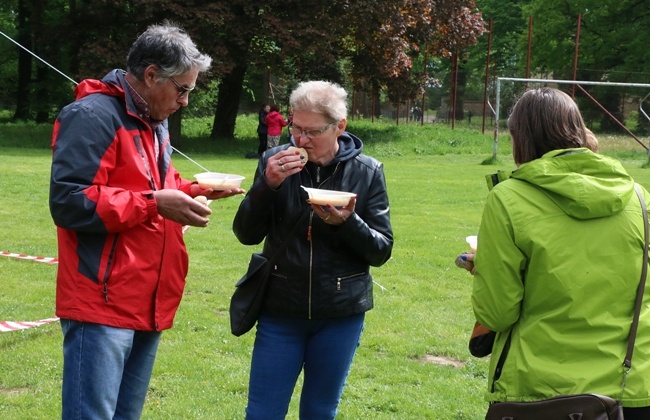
point(331, 197)
point(218, 181)
point(472, 241)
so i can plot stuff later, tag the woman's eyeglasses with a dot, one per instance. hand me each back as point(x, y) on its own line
point(310, 134)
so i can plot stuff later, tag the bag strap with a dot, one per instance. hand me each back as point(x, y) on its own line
point(639, 293)
point(501, 361)
point(279, 249)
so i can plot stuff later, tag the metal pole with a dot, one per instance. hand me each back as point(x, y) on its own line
point(424, 92)
point(645, 114)
point(530, 40)
point(454, 88)
point(609, 114)
point(496, 118)
point(577, 82)
point(487, 74)
point(575, 55)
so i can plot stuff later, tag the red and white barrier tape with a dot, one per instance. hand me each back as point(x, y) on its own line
point(6, 326)
point(47, 260)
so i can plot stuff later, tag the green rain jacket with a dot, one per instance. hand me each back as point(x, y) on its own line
point(559, 259)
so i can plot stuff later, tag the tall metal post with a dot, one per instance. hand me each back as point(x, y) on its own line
point(487, 74)
point(575, 55)
point(496, 120)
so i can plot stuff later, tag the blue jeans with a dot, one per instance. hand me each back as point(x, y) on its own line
point(283, 348)
point(106, 370)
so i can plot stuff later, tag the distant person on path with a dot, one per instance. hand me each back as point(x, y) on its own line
point(274, 122)
point(321, 287)
point(558, 264)
point(262, 129)
point(416, 113)
point(119, 207)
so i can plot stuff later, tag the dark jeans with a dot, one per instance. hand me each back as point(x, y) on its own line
point(262, 146)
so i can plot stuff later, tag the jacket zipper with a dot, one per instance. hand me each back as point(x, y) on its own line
point(311, 246)
point(108, 267)
point(340, 279)
point(311, 262)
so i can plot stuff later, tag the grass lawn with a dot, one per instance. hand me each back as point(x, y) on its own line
point(413, 361)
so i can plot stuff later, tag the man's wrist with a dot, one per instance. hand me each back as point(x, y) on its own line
point(152, 206)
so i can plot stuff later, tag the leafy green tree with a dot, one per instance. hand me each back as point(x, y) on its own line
point(374, 41)
point(610, 48)
point(384, 54)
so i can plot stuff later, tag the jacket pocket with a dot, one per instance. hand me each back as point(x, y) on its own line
point(350, 293)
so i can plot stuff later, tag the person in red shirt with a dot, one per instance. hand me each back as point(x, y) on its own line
point(274, 123)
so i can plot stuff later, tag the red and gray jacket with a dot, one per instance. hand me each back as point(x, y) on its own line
point(120, 263)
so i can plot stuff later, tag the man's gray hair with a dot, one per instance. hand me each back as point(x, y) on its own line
point(319, 96)
point(170, 48)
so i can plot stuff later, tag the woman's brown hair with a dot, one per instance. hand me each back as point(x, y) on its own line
point(546, 119)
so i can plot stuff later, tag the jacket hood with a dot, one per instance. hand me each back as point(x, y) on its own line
point(349, 147)
point(110, 85)
point(585, 185)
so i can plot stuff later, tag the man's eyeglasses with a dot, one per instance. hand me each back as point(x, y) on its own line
point(182, 90)
point(310, 134)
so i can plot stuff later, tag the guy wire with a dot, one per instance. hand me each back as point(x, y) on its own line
point(73, 81)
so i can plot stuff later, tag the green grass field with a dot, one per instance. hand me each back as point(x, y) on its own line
point(413, 361)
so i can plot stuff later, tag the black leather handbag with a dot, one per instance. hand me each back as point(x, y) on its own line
point(566, 407)
point(580, 406)
point(246, 301)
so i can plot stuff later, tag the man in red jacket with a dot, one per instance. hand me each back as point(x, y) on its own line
point(119, 206)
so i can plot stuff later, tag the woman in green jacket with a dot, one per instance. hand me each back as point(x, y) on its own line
point(558, 263)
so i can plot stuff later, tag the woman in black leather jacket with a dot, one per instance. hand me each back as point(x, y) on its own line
point(320, 287)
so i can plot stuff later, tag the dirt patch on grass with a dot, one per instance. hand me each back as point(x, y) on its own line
point(13, 391)
point(441, 360)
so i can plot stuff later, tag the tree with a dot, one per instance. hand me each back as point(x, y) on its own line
point(379, 38)
point(24, 62)
point(375, 41)
point(507, 49)
point(610, 46)
point(384, 52)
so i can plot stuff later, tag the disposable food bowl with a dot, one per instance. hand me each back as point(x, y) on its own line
point(331, 197)
point(218, 181)
point(472, 241)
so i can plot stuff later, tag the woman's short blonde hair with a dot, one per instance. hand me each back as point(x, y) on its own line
point(319, 96)
point(547, 119)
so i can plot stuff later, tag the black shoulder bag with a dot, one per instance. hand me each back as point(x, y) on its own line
point(246, 302)
point(581, 406)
